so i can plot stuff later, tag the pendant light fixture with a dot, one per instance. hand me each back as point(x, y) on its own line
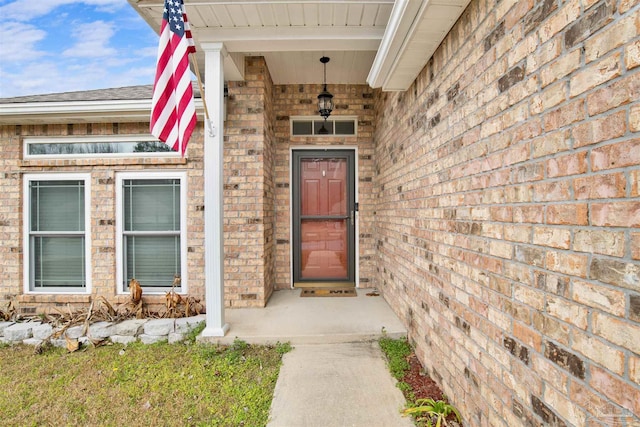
point(325, 99)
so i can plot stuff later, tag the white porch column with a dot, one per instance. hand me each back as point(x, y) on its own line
point(213, 182)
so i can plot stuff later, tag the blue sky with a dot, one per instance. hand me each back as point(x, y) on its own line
point(49, 46)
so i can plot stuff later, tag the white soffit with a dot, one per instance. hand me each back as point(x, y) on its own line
point(385, 43)
point(292, 35)
point(415, 30)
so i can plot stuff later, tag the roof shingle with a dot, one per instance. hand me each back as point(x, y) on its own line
point(111, 94)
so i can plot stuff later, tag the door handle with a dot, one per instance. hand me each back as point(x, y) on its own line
point(352, 219)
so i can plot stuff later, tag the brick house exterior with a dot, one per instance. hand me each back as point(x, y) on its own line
point(507, 212)
point(499, 206)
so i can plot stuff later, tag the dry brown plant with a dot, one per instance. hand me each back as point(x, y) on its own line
point(135, 290)
point(101, 310)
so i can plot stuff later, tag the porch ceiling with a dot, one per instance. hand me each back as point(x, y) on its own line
point(396, 37)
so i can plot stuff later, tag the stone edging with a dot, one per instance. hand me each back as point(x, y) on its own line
point(147, 331)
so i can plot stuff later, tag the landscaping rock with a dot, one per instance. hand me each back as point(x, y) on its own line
point(32, 341)
point(20, 331)
point(130, 327)
point(3, 326)
point(157, 327)
point(148, 331)
point(175, 337)
point(42, 332)
point(100, 330)
point(151, 339)
point(74, 332)
point(186, 324)
point(123, 339)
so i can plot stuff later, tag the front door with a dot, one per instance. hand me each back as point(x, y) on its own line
point(323, 218)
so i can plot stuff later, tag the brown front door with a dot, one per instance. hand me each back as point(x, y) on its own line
point(323, 217)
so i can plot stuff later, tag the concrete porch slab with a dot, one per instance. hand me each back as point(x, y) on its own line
point(290, 318)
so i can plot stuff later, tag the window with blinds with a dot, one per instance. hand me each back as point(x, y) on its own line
point(151, 232)
point(57, 241)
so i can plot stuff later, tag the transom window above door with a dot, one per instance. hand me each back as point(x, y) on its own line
point(335, 126)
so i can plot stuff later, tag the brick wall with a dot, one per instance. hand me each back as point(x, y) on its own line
point(269, 211)
point(249, 215)
point(256, 191)
point(10, 213)
point(301, 100)
point(508, 212)
point(103, 231)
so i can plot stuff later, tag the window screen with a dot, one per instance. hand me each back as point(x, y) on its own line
point(57, 235)
point(151, 232)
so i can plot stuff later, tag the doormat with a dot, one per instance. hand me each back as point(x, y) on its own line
point(328, 292)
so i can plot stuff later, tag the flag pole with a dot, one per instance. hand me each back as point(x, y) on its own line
point(194, 62)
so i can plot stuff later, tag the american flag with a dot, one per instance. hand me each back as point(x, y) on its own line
point(173, 113)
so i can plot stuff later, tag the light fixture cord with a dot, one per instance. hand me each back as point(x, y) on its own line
point(325, 76)
point(325, 84)
point(324, 64)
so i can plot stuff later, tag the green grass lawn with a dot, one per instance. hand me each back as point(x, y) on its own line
point(159, 385)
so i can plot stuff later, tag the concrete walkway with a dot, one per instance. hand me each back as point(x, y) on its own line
point(336, 375)
point(336, 385)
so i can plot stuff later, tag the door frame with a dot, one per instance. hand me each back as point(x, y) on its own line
point(356, 231)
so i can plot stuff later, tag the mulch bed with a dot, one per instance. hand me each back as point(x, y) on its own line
point(422, 385)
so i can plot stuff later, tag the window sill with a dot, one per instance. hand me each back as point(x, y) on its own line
point(52, 298)
point(104, 161)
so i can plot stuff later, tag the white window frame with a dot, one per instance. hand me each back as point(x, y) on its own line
point(28, 273)
point(95, 140)
point(120, 178)
point(353, 119)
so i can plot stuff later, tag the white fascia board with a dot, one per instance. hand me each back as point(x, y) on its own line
point(411, 39)
point(101, 111)
point(394, 80)
point(73, 107)
point(402, 17)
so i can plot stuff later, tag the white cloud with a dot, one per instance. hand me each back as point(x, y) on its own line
point(29, 35)
point(25, 10)
point(151, 51)
point(60, 51)
point(133, 76)
point(33, 78)
point(93, 40)
point(54, 77)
